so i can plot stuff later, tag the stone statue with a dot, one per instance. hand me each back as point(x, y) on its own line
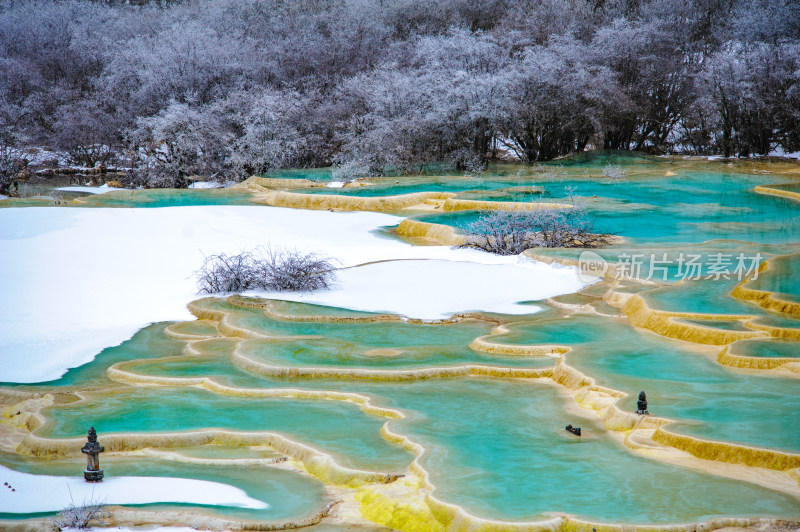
point(575, 430)
point(641, 404)
point(93, 473)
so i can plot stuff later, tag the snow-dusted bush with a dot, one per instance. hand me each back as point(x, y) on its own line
point(349, 171)
point(511, 233)
point(613, 171)
point(295, 271)
point(228, 273)
point(79, 517)
point(273, 269)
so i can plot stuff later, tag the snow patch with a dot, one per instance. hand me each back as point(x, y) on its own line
point(137, 529)
point(778, 152)
point(90, 190)
point(83, 279)
point(205, 184)
point(335, 184)
point(44, 493)
point(432, 289)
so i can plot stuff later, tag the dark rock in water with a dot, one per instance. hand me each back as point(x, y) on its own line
point(575, 430)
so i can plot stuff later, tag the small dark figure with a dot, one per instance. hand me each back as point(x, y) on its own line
point(641, 404)
point(575, 430)
point(93, 473)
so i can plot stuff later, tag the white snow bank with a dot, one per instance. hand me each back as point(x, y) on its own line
point(335, 184)
point(39, 156)
point(44, 493)
point(137, 529)
point(430, 289)
point(205, 184)
point(145, 528)
point(102, 189)
point(778, 152)
point(79, 280)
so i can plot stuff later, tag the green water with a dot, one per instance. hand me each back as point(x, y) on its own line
point(195, 328)
point(372, 334)
point(782, 277)
point(772, 348)
point(338, 428)
point(690, 208)
point(681, 384)
point(702, 297)
point(158, 197)
point(500, 449)
point(725, 325)
point(332, 353)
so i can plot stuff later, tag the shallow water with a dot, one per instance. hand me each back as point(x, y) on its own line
point(500, 449)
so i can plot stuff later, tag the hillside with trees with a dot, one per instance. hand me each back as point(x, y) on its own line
point(228, 88)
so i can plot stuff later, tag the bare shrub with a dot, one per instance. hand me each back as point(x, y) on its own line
point(12, 163)
point(295, 271)
point(57, 198)
point(349, 171)
point(511, 233)
point(270, 269)
point(78, 516)
point(613, 171)
point(228, 273)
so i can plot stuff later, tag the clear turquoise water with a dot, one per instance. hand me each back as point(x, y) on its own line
point(772, 348)
point(334, 353)
point(681, 384)
point(783, 277)
point(335, 427)
point(500, 449)
point(168, 198)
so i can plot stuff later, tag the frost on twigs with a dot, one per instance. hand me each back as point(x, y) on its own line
point(511, 233)
point(79, 516)
point(613, 171)
point(272, 269)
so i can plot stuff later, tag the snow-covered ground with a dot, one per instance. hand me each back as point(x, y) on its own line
point(102, 189)
point(778, 152)
point(79, 280)
point(431, 289)
point(44, 493)
point(136, 529)
point(206, 184)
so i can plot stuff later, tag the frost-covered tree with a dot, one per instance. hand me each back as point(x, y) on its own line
point(269, 138)
point(179, 142)
point(394, 86)
point(551, 100)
